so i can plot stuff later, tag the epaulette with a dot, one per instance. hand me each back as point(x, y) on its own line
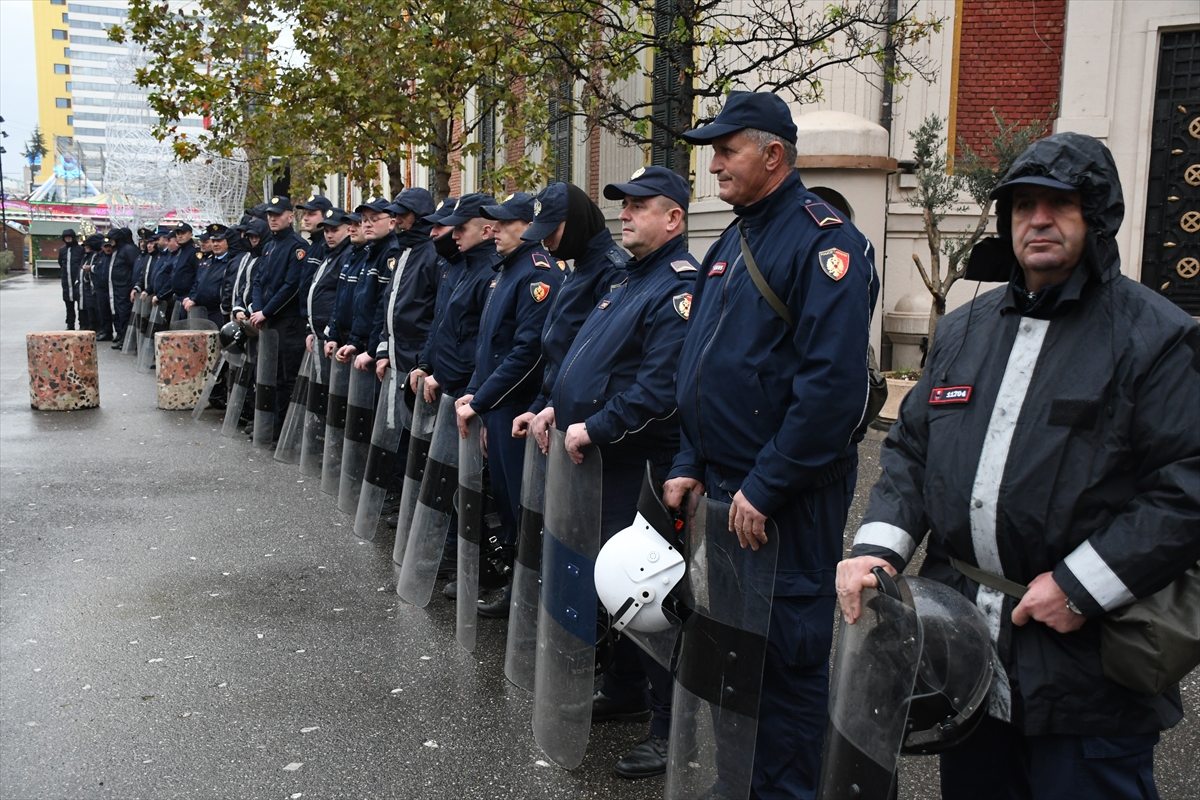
point(616, 257)
point(823, 215)
point(541, 261)
point(683, 266)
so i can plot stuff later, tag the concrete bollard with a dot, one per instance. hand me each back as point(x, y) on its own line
point(182, 360)
point(63, 374)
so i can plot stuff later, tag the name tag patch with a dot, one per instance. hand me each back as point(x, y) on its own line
point(717, 269)
point(944, 395)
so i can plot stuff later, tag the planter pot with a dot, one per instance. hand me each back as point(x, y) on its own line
point(897, 391)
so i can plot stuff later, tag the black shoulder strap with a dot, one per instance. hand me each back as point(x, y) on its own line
point(764, 288)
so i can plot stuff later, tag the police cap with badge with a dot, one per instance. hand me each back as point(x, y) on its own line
point(652, 182)
point(380, 205)
point(217, 231)
point(518, 205)
point(761, 111)
point(316, 202)
point(549, 211)
point(443, 211)
point(469, 207)
point(336, 218)
point(278, 204)
point(183, 227)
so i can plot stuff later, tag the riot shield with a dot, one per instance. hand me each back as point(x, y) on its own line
point(470, 533)
point(521, 648)
point(210, 383)
point(391, 418)
point(265, 388)
point(435, 503)
point(360, 416)
point(196, 320)
point(312, 447)
point(723, 644)
point(874, 671)
point(177, 314)
point(288, 449)
point(423, 418)
point(239, 388)
point(155, 322)
point(128, 344)
point(566, 627)
point(335, 425)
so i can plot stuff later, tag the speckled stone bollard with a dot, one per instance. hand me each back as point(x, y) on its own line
point(182, 360)
point(62, 370)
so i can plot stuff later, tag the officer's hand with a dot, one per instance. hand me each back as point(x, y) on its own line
point(483, 440)
point(154, 300)
point(308, 343)
point(145, 295)
point(541, 426)
point(431, 389)
point(747, 522)
point(381, 365)
point(364, 361)
point(1047, 603)
point(133, 296)
point(345, 353)
point(854, 575)
point(676, 489)
point(577, 439)
point(521, 425)
point(462, 407)
point(330, 349)
point(187, 304)
point(258, 319)
point(415, 376)
point(240, 316)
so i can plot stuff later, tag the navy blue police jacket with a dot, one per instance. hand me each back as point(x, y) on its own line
point(354, 265)
point(594, 274)
point(160, 276)
point(772, 410)
point(210, 281)
point(141, 271)
point(450, 271)
point(381, 263)
point(100, 274)
point(451, 349)
point(312, 262)
point(619, 375)
point(276, 283)
point(239, 288)
point(121, 269)
point(70, 262)
point(184, 267)
point(508, 360)
point(405, 313)
point(322, 288)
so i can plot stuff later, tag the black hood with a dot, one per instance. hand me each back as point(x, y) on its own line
point(584, 220)
point(1070, 158)
point(71, 233)
point(260, 228)
point(121, 236)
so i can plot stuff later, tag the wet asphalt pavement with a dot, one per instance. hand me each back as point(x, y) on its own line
point(182, 616)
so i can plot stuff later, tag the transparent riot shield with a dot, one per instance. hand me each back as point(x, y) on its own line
point(423, 418)
point(521, 649)
point(391, 418)
point(155, 323)
point(360, 417)
point(210, 383)
point(566, 628)
point(470, 533)
point(435, 504)
point(335, 425)
point(177, 314)
point(723, 644)
point(239, 388)
point(265, 388)
point(288, 449)
point(129, 343)
point(196, 320)
point(874, 671)
point(312, 447)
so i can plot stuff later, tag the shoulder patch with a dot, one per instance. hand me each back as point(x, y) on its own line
point(300, 254)
point(823, 215)
point(835, 263)
point(391, 264)
point(683, 266)
point(717, 269)
point(562, 265)
point(541, 261)
point(540, 291)
point(682, 304)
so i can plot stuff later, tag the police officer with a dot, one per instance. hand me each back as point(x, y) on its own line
point(240, 286)
point(570, 226)
point(312, 214)
point(120, 281)
point(450, 266)
point(508, 362)
point(160, 273)
point(211, 277)
point(70, 260)
point(89, 310)
point(276, 297)
point(100, 267)
point(334, 228)
point(184, 265)
point(354, 313)
point(772, 388)
point(616, 390)
point(448, 359)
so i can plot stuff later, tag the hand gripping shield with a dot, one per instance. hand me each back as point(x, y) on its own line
point(423, 418)
point(521, 649)
point(360, 416)
point(265, 388)
point(911, 675)
point(470, 533)
point(288, 449)
point(335, 425)
point(391, 418)
point(312, 446)
point(240, 385)
point(722, 650)
point(435, 503)
point(566, 627)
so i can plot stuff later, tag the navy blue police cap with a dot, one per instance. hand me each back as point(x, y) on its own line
point(650, 182)
point(183, 227)
point(337, 217)
point(380, 205)
point(416, 200)
point(468, 207)
point(203, 235)
point(217, 231)
point(518, 205)
point(549, 209)
point(443, 211)
point(278, 204)
point(760, 110)
point(1032, 180)
point(316, 202)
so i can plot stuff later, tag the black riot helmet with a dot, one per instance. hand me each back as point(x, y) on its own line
point(233, 336)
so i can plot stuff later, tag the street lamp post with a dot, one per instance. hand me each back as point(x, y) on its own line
point(3, 197)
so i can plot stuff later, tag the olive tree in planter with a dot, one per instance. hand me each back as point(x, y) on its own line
point(940, 185)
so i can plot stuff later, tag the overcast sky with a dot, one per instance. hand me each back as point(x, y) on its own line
point(18, 83)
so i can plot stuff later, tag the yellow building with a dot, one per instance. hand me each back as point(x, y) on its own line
point(53, 73)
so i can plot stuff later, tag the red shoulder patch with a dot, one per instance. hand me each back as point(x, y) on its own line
point(944, 395)
point(835, 263)
point(717, 269)
point(540, 291)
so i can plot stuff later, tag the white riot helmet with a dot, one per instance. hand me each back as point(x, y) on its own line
point(639, 566)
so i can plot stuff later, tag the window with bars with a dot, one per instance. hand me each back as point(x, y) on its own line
point(487, 152)
point(665, 109)
point(560, 130)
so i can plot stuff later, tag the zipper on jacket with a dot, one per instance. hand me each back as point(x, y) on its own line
point(700, 361)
